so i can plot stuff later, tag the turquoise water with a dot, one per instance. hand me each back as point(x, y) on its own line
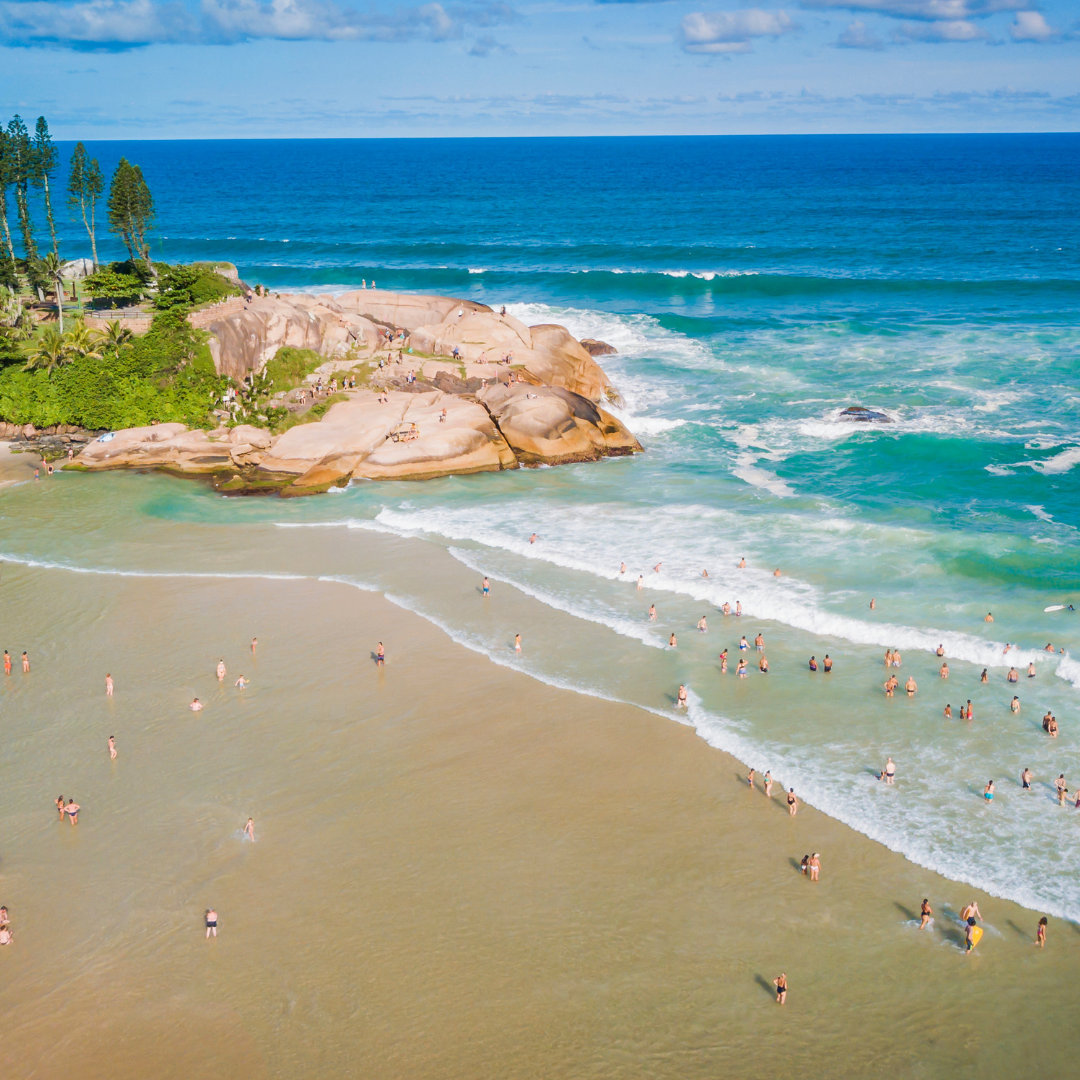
point(753, 288)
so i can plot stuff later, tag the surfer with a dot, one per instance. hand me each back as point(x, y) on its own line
point(969, 934)
point(988, 791)
point(925, 914)
point(683, 701)
point(971, 911)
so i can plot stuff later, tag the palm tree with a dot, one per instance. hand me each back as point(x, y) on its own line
point(115, 338)
point(51, 352)
point(16, 322)
point(53, 268)
point(81, 342)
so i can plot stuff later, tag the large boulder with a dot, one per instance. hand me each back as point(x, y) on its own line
point(404, 311)
point(552, 426)
point(174, 446)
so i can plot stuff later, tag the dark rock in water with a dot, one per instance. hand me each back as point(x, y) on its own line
point(861, 415)
point(597, 348)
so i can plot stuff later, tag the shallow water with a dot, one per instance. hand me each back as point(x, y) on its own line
point(753, 287)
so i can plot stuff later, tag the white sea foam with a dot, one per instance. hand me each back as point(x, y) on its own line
point(1058, 464)
point(746, 468)
point(621, 626)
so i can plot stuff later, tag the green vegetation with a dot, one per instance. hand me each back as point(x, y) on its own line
point(131, 211)
point(85, 187)
point(112, 284)
point(289, 367)
point(191, 286)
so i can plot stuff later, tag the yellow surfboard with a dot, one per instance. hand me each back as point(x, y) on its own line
point(976, 935)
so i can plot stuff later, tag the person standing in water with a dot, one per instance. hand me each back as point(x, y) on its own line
point(781, 988)
point(989, 617)
point(910, 686)
point(249, 829)
point(7, 662)
point(640, 582)
point(792, 802)
point(1040, 933)
point(1061, 788)
point(723, 662)
point(486, 587)
point(814, 866)
point(873, 603)
point(652, 613)
point(988, 791)
point(671, 641)
point(25, 662)
point(768, 784)
point(1015, 704)
point(112, 747)
point(826, 664)
point(682, 701)
point(533, 538)
point(702, 626)
point(211, 922)
point(60, 806)
point(517, 642)
point(221, 671)
point(984, 677)
point(944, 672)
point(813, 664)
point(925, 914)
point(108, 686)
point(948, 712)
point(1025, 779)
point(380, 655)
point(742, 563)
point(72, 811)
point(196, 705)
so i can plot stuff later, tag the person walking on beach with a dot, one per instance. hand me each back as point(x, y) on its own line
point(781, 988)
point(971, 911)
point(221, 671)
point(926, 914)
point(380, 655)
point(486, 587)
point(211, 922)
point(1040, 933)
point(969, 934)
point(249, 829)
point(814, 866)
point(108, 686)
point(112, 747)
point(768, 784)
point(750, 778)
point(792, 802)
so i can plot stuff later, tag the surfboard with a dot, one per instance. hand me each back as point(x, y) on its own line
point(1055, 607)
point(976, 936)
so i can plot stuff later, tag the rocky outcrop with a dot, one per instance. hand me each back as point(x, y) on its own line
point(597, 348)
point(859, 414)
point(553, 426)
point(174, 446)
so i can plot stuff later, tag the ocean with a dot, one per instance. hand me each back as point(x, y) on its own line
point(754, 288)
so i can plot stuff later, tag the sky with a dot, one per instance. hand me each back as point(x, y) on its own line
point(152, 69)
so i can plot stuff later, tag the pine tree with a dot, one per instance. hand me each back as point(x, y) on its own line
point(131, 211)
point(42, 169)
point(85, 187)
point(5, 180)
point(21, 153)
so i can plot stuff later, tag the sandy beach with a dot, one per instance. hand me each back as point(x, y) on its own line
point(458, 871)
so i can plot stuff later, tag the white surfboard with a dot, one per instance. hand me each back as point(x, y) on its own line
point(1055, 607)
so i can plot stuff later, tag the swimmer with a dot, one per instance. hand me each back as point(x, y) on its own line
point(1052, 727)
point(738, 607)
point(925, 914)
point(72, 811)
point(1025, 779)
point(813, 664)
point(759, 643)
point(656, 568)
point(723, 662)
point(989, 617)
point(1062, 790)
point(640, 582)
point(241, 682)
point(211, 922)
point(704, 573)
point(108, 686)
point(1031, 670)
point(380, 655)
point(1049, 647)
point(683, 699)
point(743, 644)
point(533, 538)
point(948, 712)
point(702, 626)
point(671, 641)
point(776, 572)
point(622, 568)
point(7, 662)
point(486, 587)
point(1015, 704)
point(814, 866)
point(741, 669)
point(25, 662)
point(249, 829)
point(768, 784)
point(781, 989)
point(984, 677)
point(1012, 676)
point(896, 658)
point(944, 672)
point(763, 665)
point(988, 791)
point(941, 650)
point(254, 645)
point(970, 711)
point(911, 686)
point(1007, 648)
point(826, 664)
point(792, 802)
point(1040, 933)
point(220, 670)
point(726, 609)
point(652, 613)
point(873, 603)
point(888, 657)
point(112, 747)
point(742, 563)
point(750, 777)
point(60, 806)
point(196, 705)
point(517, 642)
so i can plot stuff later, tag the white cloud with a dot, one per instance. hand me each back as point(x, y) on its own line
point(926, 10)
point(856, 36)
point(1031, 26)
point(125, 24)
point(950, 31)
point(731, 31)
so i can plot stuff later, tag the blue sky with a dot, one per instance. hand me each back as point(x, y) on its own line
point(339, 68)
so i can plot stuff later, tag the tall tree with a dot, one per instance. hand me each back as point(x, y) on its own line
point(42, 169)
point(5, 181)
point(131, 211)
point(85, 187)
point(21, 152)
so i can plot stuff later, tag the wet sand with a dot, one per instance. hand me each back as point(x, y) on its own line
point(458, 872)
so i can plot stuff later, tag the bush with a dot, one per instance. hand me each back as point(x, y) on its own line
point(290, 366)
point(190, 286)
point(110, 284)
